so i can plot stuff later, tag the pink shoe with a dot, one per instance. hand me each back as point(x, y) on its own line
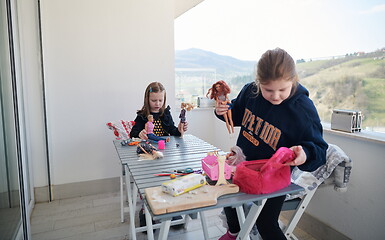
point(227, 236)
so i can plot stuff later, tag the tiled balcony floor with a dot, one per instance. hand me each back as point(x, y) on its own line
point(98, 217)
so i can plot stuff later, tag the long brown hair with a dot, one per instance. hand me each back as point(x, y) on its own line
point(276, 64)
point(152, 87)
point(212, 93)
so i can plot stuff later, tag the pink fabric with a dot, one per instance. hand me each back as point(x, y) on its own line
point(265, 175)
point(150, 127)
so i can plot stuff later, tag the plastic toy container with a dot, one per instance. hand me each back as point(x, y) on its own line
point(210, 167)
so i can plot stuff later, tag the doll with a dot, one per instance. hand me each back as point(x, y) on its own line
point(149, 127)
point(184, 107)
point(219, 92)
point(235, 157)
point(148, 152)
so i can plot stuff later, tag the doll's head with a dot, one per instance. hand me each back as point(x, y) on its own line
point(187, 106)
point(150, 118)
point(219, 88)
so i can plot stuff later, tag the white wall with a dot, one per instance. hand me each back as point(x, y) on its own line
point(99, 55)
point(360, 212)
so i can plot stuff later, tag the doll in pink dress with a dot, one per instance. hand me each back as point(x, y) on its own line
point(149, 127)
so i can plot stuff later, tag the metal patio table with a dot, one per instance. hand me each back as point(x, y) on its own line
point(181, 153)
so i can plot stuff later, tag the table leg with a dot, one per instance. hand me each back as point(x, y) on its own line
point(241, 217)
point(150, 233)
point(121, 196)
point(240, 214)
point(134, 196)
point(297, 215)
point(250, 220)
point(204, 225)
point(164, 228)
point(130, 204)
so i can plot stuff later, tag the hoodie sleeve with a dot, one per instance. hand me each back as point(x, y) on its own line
point(313, 143)
point(140, 121)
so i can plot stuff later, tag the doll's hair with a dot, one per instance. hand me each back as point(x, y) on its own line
point(187, 106)
point(274, 65)
point(212, 92)
point(152, 87)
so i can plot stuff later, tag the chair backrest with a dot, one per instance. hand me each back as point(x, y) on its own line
point(337, 167)
point(121, 129)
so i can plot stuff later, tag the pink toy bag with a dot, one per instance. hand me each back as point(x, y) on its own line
point(210, 167)
point(265, 175)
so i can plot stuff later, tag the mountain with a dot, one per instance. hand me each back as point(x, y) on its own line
point(224, 65)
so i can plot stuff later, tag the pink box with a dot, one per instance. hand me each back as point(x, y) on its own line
point(161, 144)
point(210, 167)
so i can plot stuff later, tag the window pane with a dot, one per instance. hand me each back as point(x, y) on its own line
point(341, 61)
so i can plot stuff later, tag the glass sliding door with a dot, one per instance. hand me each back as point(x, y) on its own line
point(10, 213)
point(14, 194)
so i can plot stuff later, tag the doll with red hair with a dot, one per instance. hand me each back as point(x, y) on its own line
point(219, 92)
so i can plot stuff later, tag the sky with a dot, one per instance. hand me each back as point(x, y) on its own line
point(307, 29)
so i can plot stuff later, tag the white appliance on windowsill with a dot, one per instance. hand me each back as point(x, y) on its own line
point(346, 120)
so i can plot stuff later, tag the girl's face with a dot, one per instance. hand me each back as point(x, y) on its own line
point(276, 91)
point(156, 100)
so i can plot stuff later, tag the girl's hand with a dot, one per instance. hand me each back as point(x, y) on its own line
point(221, 108)
point(182, 127)
point(143, 135)
point(301, 156)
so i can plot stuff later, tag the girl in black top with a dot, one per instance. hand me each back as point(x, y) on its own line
point(155, 104)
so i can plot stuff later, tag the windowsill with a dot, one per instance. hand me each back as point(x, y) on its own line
point(377, 137)
point(199, 108)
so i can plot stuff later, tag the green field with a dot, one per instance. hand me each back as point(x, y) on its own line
point(352, 82)
point(355, 83)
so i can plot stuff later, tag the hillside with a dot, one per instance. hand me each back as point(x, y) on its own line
point(356, 81)
point(224, 65)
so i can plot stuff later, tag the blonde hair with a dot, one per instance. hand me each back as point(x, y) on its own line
point(152, 87)
point(276, 64)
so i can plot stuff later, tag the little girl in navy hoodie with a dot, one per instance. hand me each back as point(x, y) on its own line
point(275, 111)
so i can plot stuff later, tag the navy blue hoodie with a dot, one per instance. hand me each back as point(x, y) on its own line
point(266, 127)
